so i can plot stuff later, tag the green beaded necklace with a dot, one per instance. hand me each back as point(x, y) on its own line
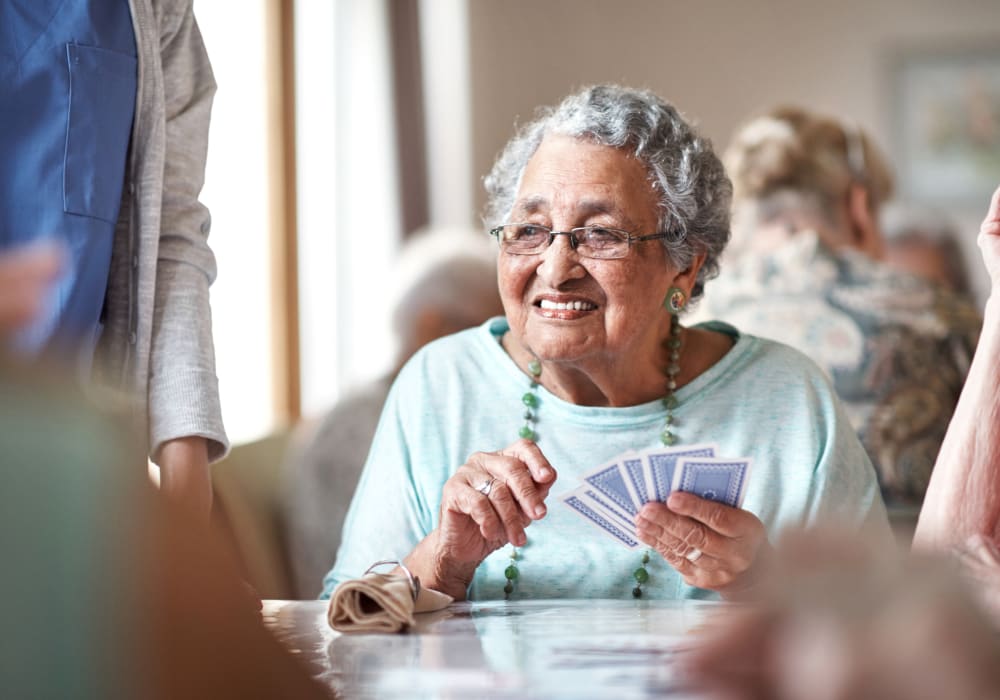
point(675, 302)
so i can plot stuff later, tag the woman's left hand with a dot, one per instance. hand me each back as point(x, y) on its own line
point(711, 545)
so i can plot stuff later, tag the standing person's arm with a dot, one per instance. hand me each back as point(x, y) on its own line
point(963, 498)
point(184, 416)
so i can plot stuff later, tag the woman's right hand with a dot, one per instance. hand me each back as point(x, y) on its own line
point(989, 240)
point(487, 503)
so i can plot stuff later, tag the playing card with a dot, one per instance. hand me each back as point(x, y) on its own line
point(659, 464)
point(721, 480)
point(635, 481)
point(596, 500)
point(611, 482)
point(605, 525)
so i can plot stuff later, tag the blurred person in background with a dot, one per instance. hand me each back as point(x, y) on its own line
point(108, 590)
point(444, 281)
point(104, 114)
point(923, 241)
point(837, 620)
point(807, 268)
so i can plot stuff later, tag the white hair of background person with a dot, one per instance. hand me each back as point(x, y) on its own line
point(433, 265)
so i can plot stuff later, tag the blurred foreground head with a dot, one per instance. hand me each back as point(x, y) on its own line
point(105, 593)
point(836, 620)
point(794, 170)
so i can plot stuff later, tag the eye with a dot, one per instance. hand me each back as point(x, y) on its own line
point(600, 237)
point(525, 233)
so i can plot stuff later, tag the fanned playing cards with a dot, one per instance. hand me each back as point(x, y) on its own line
point(612, 494)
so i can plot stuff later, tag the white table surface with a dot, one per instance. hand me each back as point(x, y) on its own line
point(577, 649)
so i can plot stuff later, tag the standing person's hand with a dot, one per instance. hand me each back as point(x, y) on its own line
point(26, 274)
point(989, 240)
point(185, 477)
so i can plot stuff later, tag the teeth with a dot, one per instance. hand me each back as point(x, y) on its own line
point(568, 305)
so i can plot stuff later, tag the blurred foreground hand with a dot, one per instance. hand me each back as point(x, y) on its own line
point(26, 274)
point(834, 620)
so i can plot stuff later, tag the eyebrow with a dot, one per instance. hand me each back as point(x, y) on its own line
point(584, 208)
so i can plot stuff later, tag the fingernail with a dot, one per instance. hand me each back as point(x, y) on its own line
point(540, 510)
point(544, 473)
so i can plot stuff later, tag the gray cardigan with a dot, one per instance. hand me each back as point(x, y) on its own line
point(156, 345)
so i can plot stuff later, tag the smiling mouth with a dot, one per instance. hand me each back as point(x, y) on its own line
point(566, 305)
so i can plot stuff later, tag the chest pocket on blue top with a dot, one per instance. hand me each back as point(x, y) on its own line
point(101, 105)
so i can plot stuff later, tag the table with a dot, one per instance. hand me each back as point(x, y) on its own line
point(577, 649)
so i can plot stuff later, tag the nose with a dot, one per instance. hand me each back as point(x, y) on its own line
point(560, 262)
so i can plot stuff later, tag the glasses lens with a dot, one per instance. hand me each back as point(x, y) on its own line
point(522, 239)
point(600, 242)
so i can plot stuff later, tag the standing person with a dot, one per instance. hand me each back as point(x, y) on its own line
point(104, 112)
point(806, 268)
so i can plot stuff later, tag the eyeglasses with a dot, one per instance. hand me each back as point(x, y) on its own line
point(598, 242)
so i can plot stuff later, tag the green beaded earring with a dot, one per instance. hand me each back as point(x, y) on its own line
point(676, 300)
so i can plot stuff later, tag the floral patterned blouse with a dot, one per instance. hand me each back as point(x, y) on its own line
point(896, 347)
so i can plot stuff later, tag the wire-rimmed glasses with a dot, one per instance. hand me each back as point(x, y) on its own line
point(598, 242)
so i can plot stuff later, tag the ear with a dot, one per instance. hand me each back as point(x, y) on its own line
point(685, 279)
point(867, 236)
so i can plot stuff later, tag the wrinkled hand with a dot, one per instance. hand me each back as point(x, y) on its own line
point(731, 541)
point(25, 276)
point(989, 240)
point(474, 524)
point(835, 620)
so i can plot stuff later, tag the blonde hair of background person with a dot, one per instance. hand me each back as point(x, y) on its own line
point(807, 269)
point(793, 170)
point(444, 280)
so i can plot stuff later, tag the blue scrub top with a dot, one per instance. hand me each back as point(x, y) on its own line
point(67, 98)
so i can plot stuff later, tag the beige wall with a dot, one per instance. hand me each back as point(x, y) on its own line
point(719, 62)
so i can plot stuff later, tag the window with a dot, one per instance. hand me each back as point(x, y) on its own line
point(237, 191)
point(346, 203)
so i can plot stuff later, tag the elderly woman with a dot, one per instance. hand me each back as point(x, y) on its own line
point(806, 268)
point(610, 213)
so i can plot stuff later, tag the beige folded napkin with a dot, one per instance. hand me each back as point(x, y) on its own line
point(380, 603)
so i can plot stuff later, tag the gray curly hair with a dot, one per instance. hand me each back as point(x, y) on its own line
point(694, 191)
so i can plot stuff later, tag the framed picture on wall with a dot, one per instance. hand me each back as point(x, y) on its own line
point(946, 122)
